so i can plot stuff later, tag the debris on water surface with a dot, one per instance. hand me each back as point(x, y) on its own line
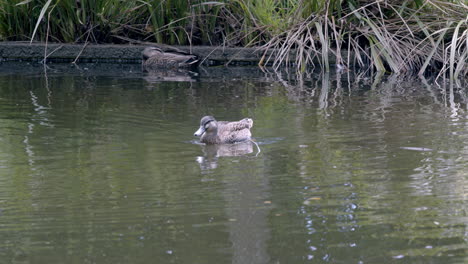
point(311, 199)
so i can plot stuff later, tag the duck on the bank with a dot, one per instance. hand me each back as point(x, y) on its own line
point(223, 132)
point(156, 58)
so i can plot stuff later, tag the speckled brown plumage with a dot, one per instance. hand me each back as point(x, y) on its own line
point(223, 132)
point(156, 58)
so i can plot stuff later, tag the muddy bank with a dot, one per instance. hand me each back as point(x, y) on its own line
point(23, 51)
point(56, 52)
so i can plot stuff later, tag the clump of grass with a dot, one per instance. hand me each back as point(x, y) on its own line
point(98, 21)
point(397, 36)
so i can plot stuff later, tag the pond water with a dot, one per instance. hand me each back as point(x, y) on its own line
point(98, 164)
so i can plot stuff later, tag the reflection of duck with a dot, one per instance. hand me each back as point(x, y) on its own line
point(212, 152)
point(228, 150)
point(222, 132)
point(156, 58)
point(174, 75)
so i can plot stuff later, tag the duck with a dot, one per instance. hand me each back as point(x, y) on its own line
point(156, 58)
point(224, 132)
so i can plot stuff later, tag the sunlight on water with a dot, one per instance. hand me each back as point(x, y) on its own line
point(98, 164)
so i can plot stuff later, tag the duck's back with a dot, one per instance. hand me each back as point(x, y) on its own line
point(232, 132)
point(170, 60)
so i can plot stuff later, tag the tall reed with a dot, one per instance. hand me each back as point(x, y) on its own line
point(395, 36)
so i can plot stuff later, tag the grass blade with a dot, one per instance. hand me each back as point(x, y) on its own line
point(433, 51)
point(453, 50)
point(41, 15)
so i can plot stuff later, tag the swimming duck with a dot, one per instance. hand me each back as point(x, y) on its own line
point(154, 57)
point(223, 132)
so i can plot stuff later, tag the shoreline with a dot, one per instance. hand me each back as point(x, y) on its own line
point(128, 53)
point(118, 53)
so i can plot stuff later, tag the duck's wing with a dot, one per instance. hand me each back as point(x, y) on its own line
point(157, 62)
point(231, 132)
point(245, 123)
point(170, 60)
point(181, 58)
point(239, 136)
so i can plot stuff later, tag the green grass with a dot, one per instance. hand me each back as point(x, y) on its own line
point(391, 36)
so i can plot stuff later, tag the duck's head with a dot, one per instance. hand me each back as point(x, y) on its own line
point(149, 52)
point(207, 125)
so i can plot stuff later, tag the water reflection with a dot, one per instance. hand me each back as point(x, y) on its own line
point(213, 152)
point(94, 167)
point(248, 207)
point(175, 75)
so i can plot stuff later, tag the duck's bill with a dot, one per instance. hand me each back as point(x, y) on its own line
point(199, 132)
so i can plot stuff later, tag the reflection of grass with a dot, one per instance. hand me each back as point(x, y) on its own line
point(397, 36)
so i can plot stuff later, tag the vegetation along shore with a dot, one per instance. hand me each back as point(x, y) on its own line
point(419, 36)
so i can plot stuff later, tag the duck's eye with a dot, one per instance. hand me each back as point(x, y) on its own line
point(207, 125)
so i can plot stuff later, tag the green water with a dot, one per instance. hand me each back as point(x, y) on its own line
point(98, 164)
